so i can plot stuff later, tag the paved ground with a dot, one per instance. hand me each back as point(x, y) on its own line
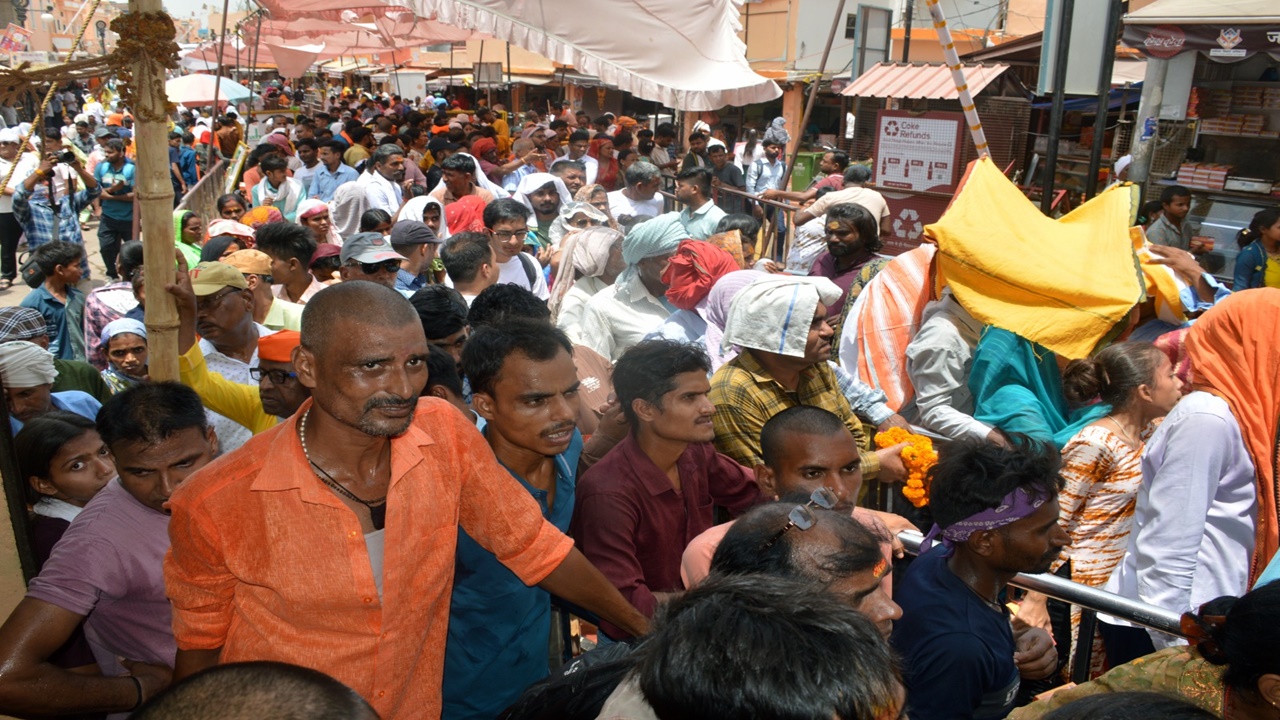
point(14, 295)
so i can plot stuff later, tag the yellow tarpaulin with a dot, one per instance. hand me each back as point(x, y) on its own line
point(1061, 283)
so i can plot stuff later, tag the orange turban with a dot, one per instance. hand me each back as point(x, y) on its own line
point(278, 347)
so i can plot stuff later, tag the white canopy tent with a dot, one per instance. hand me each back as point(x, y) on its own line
point(1237, 12)
point(684, 54)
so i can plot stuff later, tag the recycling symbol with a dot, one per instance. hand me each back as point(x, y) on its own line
point(891, 128)
point(907, 224)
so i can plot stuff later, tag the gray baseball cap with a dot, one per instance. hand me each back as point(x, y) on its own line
point(368, 247)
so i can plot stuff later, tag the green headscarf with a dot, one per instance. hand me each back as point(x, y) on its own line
point(1017, 387)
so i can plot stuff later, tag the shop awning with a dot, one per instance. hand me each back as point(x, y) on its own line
point(1200, 12)
point(1225, 30)
point(927, 82)
point(1116, 99)
point(339, 68)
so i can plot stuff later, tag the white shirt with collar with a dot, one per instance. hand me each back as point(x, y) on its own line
point(620, 316)
point(1193, 527)
point(383, 194)
point(231, 434)
point(574, 303)
point(939, 359)
point(764, 175)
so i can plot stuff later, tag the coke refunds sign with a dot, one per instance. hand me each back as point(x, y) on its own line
point(918, 152)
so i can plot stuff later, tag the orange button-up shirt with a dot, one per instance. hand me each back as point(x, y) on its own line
point(268, 564)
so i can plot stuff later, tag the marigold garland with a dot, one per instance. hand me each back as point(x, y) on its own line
point(918, 456)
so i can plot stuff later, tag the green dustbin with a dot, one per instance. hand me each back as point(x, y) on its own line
point(805, 171)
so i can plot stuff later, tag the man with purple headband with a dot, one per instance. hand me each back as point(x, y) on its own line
point(997, 515)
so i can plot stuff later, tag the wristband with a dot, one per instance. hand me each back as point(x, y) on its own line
point(138, 684)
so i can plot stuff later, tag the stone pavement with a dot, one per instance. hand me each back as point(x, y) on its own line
point(14, 295)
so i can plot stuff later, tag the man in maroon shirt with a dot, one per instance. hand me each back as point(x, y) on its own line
point(650, 495)
point(853, 239)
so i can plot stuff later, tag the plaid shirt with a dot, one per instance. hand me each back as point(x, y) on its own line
point(746, 397)
point(103, 305)
point(33, 212)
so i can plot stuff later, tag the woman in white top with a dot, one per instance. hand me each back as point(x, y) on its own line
point(1205, 522)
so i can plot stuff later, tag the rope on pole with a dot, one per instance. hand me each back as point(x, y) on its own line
point(38, 125)
point(952, 58)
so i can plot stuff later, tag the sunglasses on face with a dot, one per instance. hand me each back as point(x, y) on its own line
point(277, 377)
point(208, 304)
point(375, 268)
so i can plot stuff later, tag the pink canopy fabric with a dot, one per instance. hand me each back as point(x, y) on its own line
point(685, 54)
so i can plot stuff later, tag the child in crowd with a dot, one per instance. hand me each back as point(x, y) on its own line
point(57, 299)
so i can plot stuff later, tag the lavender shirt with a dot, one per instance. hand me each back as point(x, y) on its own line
point(108, 567)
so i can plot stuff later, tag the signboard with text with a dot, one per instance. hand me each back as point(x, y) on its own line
point(917, 151)
point(16, 39)
point(1225, 42)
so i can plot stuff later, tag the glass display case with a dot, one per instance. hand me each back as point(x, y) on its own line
point(1221, 215)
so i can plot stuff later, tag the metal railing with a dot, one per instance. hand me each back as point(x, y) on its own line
point(1090, 600)
point(202, 198)
point(770, 249)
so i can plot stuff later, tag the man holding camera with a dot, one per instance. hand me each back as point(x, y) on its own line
point(45, 216)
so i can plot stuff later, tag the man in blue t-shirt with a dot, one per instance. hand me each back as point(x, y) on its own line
point(997, 515)
point(182, 165)
point(116, 174)
point(525, 386)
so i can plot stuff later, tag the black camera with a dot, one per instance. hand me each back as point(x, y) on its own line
point(66, 157)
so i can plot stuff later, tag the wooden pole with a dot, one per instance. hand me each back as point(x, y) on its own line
point(952, 59)
point(155, 202)
point(813, 96)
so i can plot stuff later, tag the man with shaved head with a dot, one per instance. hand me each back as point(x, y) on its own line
point(253, 690)
point(346, 520)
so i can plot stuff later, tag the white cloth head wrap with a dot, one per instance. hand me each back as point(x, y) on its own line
point(585, 251)
point(120, 327)
point(774, 314)
point(25, 365)
point(533, 182)
point(560, 227)
point(414, 208)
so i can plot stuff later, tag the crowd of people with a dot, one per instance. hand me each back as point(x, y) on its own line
point(450, 379)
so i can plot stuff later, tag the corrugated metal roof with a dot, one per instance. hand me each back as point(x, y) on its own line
point(924, 81)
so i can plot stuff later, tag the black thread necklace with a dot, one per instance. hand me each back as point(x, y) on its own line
point(377, 508)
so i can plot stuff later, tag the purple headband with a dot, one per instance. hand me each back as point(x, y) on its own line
point(1012, 508)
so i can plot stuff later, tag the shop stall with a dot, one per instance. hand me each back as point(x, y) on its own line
point(1216, 129)
point(910, 123)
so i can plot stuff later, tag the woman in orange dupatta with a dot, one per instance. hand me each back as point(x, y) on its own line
point(1235, 355)
point(610, 173)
